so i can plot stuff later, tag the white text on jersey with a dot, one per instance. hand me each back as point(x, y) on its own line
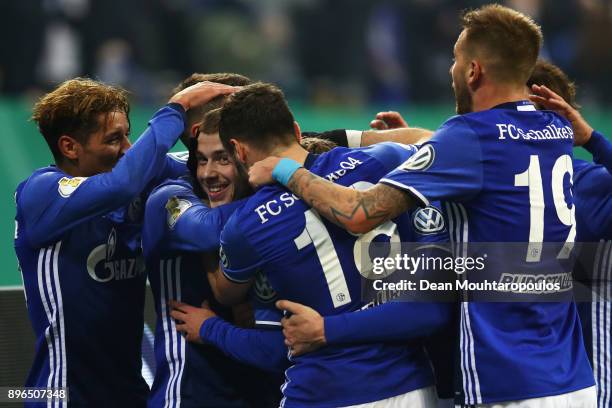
point(274, 207)
point(349, 164)
point(548, 133)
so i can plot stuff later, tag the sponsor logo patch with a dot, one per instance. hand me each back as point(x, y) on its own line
point(67, 185)
point(428, 220)
point(176, 207)
point(223, 257)
point(421, 160)
point(263, 290)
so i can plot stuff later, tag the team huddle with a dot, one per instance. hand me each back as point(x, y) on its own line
point(252, 243)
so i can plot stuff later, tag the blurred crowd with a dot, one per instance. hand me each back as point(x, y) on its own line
point(349, 52)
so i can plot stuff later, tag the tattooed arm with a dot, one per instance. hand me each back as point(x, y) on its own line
point(356, 211)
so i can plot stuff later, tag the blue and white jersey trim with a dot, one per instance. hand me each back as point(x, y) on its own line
point(170, 282)
point(459, 236)
point(600, 322)
point(51, 296)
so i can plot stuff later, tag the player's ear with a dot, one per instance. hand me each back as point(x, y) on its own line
point(297, 131)
point(240, 150)
point(69, 147)
point(195, 128)
point(474, 74)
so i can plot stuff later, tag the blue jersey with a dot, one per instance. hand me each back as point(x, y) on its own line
point(78, 245)
point(178, 228)
point(432, 322)
point(593, 200)
point(601, 149)
point(311, 261)
point(505, 175)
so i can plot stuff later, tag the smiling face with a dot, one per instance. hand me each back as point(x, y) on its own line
point(103, 148)
point(216, 171)
point(463, 98)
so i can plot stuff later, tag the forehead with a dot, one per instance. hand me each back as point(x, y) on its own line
point(113, 120)
point(460, 42)
point(209, 143)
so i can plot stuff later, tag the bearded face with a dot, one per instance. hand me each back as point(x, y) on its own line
point(463, 97)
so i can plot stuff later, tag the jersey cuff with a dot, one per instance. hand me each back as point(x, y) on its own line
point(232, 279)
point(179, 108)
point(422, 201)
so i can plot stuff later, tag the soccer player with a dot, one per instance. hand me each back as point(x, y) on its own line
point(78, 240)
point(311, 261)
point(179, 227)
point(592, 184)
point(496, 165)
point(593, 200)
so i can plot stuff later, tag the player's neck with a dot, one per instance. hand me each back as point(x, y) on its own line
point(69, 168)
point(491, 96)
point(295, 152)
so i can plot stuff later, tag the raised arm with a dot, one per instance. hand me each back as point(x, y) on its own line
point(391, 127)
point(54, 204)
point(601, 149)
point(407, 135)
point(358, 138)
point(584, 135)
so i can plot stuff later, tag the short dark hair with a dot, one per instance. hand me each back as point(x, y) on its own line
point(74, 109)
point(510, 41)
point(259, 115)
point(196, 113)
point(553, 77)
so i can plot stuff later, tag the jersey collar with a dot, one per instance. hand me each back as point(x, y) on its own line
point(519, 106)
point(310, 159)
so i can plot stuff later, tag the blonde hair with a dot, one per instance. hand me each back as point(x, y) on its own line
point(74, 109)
point(507, 40)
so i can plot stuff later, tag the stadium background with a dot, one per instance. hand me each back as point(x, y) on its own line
point(339, 62)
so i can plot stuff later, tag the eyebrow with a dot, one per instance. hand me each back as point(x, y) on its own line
point(113, 133)
point(215, 153)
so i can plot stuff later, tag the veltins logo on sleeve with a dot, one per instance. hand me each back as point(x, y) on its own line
point(428, 220)
point(176, 207)
point(67, 185)
point(421, 160)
